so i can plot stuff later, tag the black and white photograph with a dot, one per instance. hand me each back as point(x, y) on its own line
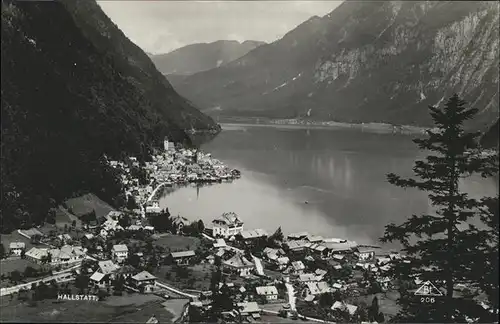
point(249, 161)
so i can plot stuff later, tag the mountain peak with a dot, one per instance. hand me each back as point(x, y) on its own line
point(199, 57)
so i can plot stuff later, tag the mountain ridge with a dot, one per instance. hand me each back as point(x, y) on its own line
point(74, 91)
point(199, 57)
point(363, 62)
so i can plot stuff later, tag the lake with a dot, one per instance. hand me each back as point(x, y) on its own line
point(329, 182)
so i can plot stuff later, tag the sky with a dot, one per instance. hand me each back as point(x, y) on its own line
point(162, 26)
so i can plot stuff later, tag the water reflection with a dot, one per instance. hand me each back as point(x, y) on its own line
point(342, 175)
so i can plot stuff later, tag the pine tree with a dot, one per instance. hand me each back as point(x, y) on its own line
point(435, 244)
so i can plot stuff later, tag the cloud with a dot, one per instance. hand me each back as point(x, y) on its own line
point(162, 26)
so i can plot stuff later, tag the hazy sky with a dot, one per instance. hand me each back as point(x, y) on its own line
point(162, 26)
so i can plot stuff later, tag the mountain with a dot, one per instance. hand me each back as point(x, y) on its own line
point(367, 61)
point(490, 137)
point(195, 58)
point(74, 89)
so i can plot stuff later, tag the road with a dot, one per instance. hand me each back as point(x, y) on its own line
point(291, 296)
point(167, 287)
point(305, 317)
point(61, 276)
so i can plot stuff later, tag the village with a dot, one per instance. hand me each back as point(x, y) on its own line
point(216, 272)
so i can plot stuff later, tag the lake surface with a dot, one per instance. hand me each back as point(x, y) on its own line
point(341, 174)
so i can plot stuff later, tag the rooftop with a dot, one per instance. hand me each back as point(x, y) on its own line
point(298, 235)
point(37, 253)
point(31, 232)
point(17, 245)
point(256, 233)
point(248, 307)
point(238, 261)
point(298, 265)
point(120, 248)
point(228, 219)
point(97, 276)
point(266, 290)
point(144, 275)
point(107, 266)
point(183, 254)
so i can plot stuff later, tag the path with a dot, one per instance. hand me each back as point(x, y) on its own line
point(162, 285)
point(312, 319)
point(258, 266)
point(291, 295)
point(61, 276)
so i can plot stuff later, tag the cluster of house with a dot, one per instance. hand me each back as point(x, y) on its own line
point(103, 273)
point(301, 259)
point(54, 256)
point(174, 165)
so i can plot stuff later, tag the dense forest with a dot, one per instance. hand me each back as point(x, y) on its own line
point(69, 96)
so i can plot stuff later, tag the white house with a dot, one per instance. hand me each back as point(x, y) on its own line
point(98, 279)
point(108, 268)
point(120, 252)
point(239, 264)
point(153, 207)
point(317, 288)
point(267, 292)
point(16, 248)
point(168, 146)
point(298, 267)
point(365, 254)
point(36, 255)
point(227, 225)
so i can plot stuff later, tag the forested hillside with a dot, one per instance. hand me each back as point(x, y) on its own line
point(74, 88)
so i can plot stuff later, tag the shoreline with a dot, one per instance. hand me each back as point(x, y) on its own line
point(379, 128)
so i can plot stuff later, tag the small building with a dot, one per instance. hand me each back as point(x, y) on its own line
point(114, 215)
point(98, 279)
point(319, 250)
point(308, 277)
point(153, 207)
point(314, 238)
point(250, 235)
point(144, 279)
point(149, 228)
point(317, 288)
point(134, 228)
point(89, 236)
point(65, 238)
point(168, 146)
point(282, 262)
point(297, 246)
point(239, 264)
point(36, 255)
point(120, 252)
point(30, 233)
point(227, 225)
point(269, 293)
point(249, 309)
point(16, 248)
point(320, 273)
point(179, 222)
point(365, 254)
point(298, 267)
point(219, 243)
point(298, 236)
point(183, 257)
point(340, 247)
point(108, 268)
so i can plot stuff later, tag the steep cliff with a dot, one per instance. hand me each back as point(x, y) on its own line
point(366, 61)
point(195, 58)
point(74, 88)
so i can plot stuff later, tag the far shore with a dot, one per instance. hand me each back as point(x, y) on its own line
point(380, 128)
